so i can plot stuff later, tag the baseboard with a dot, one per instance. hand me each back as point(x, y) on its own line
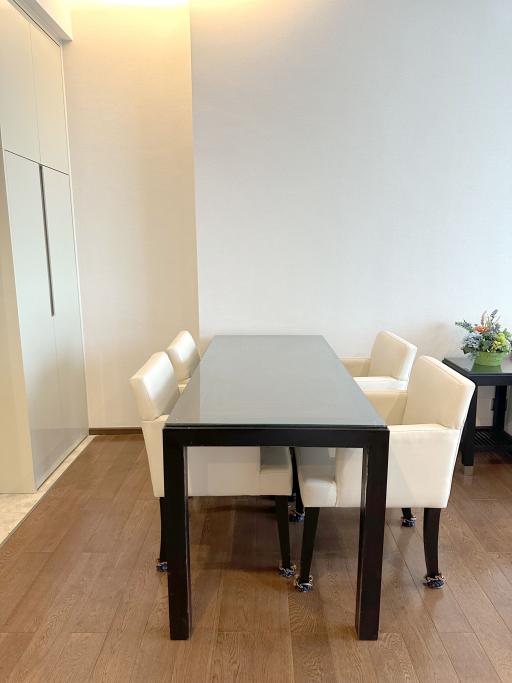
point(103, 431)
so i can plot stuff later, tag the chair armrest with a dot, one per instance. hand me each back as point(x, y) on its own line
point(152, 430)
point(357, 366)
point(421, 462)
point(420, 469)
point(389, 403)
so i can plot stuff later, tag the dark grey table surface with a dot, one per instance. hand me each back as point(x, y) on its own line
point(279, 380)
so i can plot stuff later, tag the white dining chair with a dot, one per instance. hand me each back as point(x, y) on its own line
point(425, 424)
point(212, 471)
point(184, 356)
point(388, 366)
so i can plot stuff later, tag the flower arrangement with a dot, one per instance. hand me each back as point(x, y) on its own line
point(488, 341)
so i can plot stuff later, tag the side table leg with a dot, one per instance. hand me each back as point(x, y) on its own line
point(500, 408)
point(467, 446)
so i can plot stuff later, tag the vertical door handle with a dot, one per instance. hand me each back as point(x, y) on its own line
point(47, 242)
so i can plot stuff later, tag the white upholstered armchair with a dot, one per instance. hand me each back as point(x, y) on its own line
point(425, 424)
point(219, 471)
point(388, 366)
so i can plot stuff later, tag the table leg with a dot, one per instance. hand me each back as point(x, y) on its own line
point(467, 446)
point(177, 541)
point(500, 408)
point(371, 536)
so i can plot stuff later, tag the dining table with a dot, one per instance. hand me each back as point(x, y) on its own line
point(274, 390)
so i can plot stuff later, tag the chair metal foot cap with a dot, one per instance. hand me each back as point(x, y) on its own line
point(287, 571)
point(436, 581)
point(295, 516)
point(161, 566)
point(409, 521)
point(304, 586)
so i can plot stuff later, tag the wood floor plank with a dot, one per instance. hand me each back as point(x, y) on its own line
point(164, 660)
point(77, 658)
point(444, 609)
point(125, 451)
point(494, 583)
point(111, 582)
point(31, 608)
point(107, 534)
point(469, 659)
point(156, 655)
point(67, 614)
point(44, 649)
point(234, 658)
point(312, 655)
point(273, 644)
point(429, 657)
point(16, 584)
point(391, 659)
point(238, 594)
point(491, 535)
point(352, 662)
point(12, 647)
point(120, 649)
point(483, 617)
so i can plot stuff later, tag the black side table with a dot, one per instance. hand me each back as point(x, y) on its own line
point(475, 438)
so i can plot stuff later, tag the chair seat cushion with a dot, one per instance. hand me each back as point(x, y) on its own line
point(380, 383)
point(223, 471)
point(275, 471)
point(317, 476)
point(421, 461)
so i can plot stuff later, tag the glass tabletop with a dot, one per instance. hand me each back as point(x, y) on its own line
point(467, 365)
point(273, 380)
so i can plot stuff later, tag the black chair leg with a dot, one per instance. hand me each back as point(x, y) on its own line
point(408, 518)
point(304, 583)
point(431, 519)
point(297, 514)
point(286, 568)
point(161, 563)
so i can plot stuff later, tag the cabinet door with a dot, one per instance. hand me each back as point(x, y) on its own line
point(18, 117)
point(33, 292)
point(51, 117)
point(67, 319)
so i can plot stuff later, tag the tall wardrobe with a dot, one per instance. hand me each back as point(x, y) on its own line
point(43, 410)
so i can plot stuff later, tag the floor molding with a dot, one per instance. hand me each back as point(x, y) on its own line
point(105, 431)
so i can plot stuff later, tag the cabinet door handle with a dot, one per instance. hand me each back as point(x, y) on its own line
point(47, 242)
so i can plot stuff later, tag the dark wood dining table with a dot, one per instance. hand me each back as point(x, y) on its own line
point(274, 390)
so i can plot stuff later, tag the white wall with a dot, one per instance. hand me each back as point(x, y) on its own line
point(353, 167)
point(129, 112)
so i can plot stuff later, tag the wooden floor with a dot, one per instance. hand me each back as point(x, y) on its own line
point(80, 599)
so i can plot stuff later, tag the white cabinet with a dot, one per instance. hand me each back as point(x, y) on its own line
point(27, 228)
point(43, 413)
point(51, 116)
point(37, 228)
point(18, 117)
point(66, 305)
point(32, 110)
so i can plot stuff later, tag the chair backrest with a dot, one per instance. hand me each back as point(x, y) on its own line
point(437, 395)
point(184, 355)
point(156, 391)
point(155, 387)
point(391, 356)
